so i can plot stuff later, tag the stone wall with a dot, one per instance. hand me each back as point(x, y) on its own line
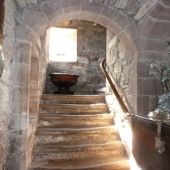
point(21, 87)
point(37, 75)
point(121, 67)
point(140, 25)
point(91, 49)
point(37, 82)
point(152, 46)
point(5, 95)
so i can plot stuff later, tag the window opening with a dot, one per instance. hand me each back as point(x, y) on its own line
point(62, 44)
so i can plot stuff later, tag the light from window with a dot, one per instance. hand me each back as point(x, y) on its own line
point(62, 44)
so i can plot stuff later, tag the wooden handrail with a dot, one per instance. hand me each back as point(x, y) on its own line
point(116, 89)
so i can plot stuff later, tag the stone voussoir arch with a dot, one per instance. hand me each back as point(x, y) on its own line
point(36, 20)
point(33, 21)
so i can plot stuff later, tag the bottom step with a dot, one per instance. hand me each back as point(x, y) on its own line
point(116, 165)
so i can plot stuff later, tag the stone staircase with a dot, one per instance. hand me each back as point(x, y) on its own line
point(77, 132)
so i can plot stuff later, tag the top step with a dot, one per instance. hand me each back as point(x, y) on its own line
point(72, 99)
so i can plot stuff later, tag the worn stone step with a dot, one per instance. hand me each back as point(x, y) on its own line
point(73, 121)
point(105, 163)
point(122, 164)
point(41, 149)
point(67, 153)
point(73, 108)
point(62, 137)
point(77, 132)
point(81, 131)
point(72, 99)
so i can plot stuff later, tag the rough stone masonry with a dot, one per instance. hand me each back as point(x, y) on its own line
point(133, 22)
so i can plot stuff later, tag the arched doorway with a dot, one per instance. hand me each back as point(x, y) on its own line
point(33, 22)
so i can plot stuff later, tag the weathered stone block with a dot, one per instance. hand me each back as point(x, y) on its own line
point(52, 9)
point(142, 105)
point(108, 12)
point(34, 95)
point(121, 4)
point(85, 15)
point(33, 107)
point(152, 45)
point(20, 96)
point(17, 158)
point(23, 53)
point(160, 12)
point(3, 134)
point(149, 56)
point(13, 162)
point(126, 40)
point(8, 48)
point(165, 2)
point(5, 81)
point(34, 19)
point(114, 27)
point(15, 141)
point(83, 60)
point(143, 10)
point(147, 28)
point(91, 8)
point(146, 104)
point(21, 74)
point(153, 100)
point(121, 19)
point(143, 68)
point(66, 3)
point(10, 10)
point(24, 33)
point(94, 2)
point(19, 122)
point(8, 31)
point(34, 85)
point(70, 8)
point(132, 31)
point(146, 86)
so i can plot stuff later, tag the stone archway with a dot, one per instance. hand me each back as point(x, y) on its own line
point(32, 22)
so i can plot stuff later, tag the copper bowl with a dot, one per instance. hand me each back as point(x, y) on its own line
point(64, 81)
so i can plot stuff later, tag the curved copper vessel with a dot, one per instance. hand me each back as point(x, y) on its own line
point(64, 81)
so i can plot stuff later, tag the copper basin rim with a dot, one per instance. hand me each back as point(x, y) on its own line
point(64, 79)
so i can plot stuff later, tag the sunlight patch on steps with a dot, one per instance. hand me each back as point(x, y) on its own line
point(123, 124)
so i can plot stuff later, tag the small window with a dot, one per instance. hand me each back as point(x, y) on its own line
point(62, 44)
